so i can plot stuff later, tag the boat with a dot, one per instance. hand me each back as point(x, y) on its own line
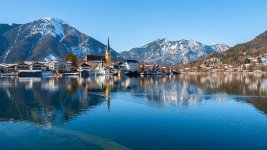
point(48, 74)
point(88, 73)
point(74, 74)
point(12, 74)
point(145, 73)
point(30, 73)
point(132, 74)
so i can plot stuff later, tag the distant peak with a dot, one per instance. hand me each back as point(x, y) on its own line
point(46, 18)
point(48, 26)
point(161, 40)
point(192, 40)
point(51, 19)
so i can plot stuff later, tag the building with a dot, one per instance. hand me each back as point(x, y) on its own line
point(151, 67)
point(84, 67)
point(11, 68)
point(23, 66)
point(38, 66)
point(108, 54)
point(119, 66)
point(131, 65)
point(99, 61)
point(53, 65)
point(59, 65)
point(68, 65)
point(3, 68)
point(95, 61)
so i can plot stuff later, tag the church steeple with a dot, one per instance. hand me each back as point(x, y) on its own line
point(108, 55)
point(108, 48)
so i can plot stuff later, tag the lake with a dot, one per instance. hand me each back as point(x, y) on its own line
point(188, 111)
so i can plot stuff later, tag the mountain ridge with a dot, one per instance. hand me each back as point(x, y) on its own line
point(46, 38)
point(52, 38)
point(163, 51)
point(236, 54)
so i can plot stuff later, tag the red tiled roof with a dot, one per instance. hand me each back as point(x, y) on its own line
point(89, 58)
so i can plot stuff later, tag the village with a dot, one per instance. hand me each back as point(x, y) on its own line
point(248, 64)
point(88, 66)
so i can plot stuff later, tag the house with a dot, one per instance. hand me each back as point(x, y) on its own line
point(95, 61)
point(119, 66)
point(3, 68)
point(99, 61)
point(53, 65)
point(44, 63)
point(68, 65)
point(131, 65)
point(84, 67)
point(23, 66)
point(151, 67)
point(11, 68)
point(59, 65)
point(38, 66)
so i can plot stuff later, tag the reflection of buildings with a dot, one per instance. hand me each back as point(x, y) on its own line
point(95, 61)
point(99, 85)
point(189, 89)
point(47, 102)
point(164, 90)
point(51, 101)
point(249, 87)
point(231, 83)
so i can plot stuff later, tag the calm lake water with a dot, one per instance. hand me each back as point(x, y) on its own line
point(190, 111)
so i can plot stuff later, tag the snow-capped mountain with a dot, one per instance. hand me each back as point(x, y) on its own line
point(167, 52)
point(45, 38)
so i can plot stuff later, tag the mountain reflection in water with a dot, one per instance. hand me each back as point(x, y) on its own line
point(52, 101)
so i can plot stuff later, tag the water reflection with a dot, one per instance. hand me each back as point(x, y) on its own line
point(245, 87)
point(44, 102)
point(246, 84)
point(165, 90)
point(52, 101)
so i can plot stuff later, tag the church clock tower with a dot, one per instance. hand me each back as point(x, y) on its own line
point(108, 55)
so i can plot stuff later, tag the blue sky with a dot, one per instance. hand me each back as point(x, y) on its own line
point(134, 23)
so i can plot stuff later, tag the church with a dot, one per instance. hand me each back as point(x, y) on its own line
point(99, 61)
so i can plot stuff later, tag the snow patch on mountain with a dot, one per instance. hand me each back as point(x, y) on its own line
point(49, 26)
point(220, 47)
point(50, 58)
point(165, 52)
point(8, 51)
point(48, 38)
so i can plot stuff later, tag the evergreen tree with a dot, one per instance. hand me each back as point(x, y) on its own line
point(72, 58)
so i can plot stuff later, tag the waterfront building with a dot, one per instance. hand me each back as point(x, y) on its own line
point(59, 65)
point(151, 67)
point(95, 61)
point(22, 66)
point(11, 68)
point(3, 68)
point(53, 65)
point(84, 67)
point(99, 61)
point(68, 65)
point(38, 66)
point(131, 65)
